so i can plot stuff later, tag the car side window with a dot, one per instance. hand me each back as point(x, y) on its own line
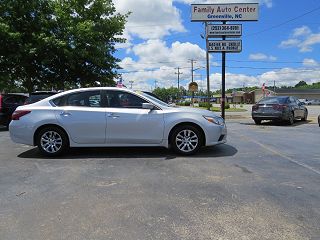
point(295, 100)
point(80, 99)
point(10, 100)
point(120, 99)
point(291, 100)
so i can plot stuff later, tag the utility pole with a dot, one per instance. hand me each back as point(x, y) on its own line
point(274, 86)
point(178, 73)
point(192, 99)
point(131, 82)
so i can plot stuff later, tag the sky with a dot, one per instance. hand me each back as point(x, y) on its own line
point(281, 48)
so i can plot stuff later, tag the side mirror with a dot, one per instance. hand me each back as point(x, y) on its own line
point(302, 103)
point(147, 106)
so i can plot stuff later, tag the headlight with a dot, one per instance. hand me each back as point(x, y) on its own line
point(216, 120)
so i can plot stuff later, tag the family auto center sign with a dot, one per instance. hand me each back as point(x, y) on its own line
point(224, 12)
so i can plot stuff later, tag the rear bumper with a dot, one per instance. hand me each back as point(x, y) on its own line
point(270, 116)
point(20, 133)
point(4, 119)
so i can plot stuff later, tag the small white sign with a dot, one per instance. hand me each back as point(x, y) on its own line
point(225, 46)
point(224, 12)
point(224, 30)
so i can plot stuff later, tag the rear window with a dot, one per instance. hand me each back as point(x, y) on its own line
point(273, 100)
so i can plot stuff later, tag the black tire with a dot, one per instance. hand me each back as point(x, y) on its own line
point(186, 140)
point(52, 141)
point(291, 118)
point(257, 121)
point(305, 116)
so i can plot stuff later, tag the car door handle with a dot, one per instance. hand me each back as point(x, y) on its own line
point(65, 114)
point(112, 115)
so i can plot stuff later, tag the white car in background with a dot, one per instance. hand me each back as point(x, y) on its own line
point(113, 117)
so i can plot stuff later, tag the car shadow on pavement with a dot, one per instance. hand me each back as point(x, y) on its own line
point(278, 123)
point(133, 152)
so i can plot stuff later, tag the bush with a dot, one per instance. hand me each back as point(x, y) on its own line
point(187, 103)
point(226, 106)
point(204, 104)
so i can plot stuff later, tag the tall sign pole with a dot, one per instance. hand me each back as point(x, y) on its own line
point(223, 93)
point(208, 66)
point(223, 13)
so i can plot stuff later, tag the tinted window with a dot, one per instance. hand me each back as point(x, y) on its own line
point(14, 99)
point(119, 99)
point(81, 99)
point(273, 100)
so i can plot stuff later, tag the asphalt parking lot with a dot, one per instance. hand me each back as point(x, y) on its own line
point(263, 184)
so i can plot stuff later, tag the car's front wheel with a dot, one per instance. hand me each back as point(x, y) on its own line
point(305, 116)
point(186, 140)
point(291, 118)
point(52, 141)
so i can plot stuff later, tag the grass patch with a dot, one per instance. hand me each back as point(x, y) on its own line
point(218, 109)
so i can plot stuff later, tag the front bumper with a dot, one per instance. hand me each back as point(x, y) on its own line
point(217, 135)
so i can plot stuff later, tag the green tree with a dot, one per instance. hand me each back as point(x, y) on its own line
point(301, 84)
point(167, 94)
point(59, 43)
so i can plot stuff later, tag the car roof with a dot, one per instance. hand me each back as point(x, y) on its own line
point(89, 89)
point(43, 92)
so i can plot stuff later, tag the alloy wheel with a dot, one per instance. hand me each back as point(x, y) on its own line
point(51, 142)
point(187, 140)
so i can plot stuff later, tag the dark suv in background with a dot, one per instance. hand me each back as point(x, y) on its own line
point(39, 95)
point(8, 104)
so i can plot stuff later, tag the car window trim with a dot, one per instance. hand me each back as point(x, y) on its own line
point(65, 97)
point(148, 101)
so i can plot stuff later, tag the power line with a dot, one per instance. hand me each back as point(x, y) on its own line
point(217, 60)
point(283, 23)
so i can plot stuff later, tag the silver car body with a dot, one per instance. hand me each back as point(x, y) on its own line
point(106, 126)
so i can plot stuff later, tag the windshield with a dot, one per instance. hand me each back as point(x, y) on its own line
point(273, 100)
point(161, 103)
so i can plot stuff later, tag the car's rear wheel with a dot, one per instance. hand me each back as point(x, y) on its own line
point(305, 116)
point(52, 141)
point(257, 121)
point(291, 118)
point(186, 140)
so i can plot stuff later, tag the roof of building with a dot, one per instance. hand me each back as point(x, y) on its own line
point(297, 91)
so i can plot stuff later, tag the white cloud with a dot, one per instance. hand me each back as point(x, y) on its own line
point(261, 56)
point(301, 31)
point(302, 38)
point(290, 43)
point(267, 3)
point(155, 54)
point(309, 62)
point(150, 19)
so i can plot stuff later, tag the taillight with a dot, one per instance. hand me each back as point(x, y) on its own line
point(19, 113)
point(255, 107)
point(0, 102)
point(279, 107)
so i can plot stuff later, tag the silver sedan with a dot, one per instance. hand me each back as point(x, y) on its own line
point(113, 117)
